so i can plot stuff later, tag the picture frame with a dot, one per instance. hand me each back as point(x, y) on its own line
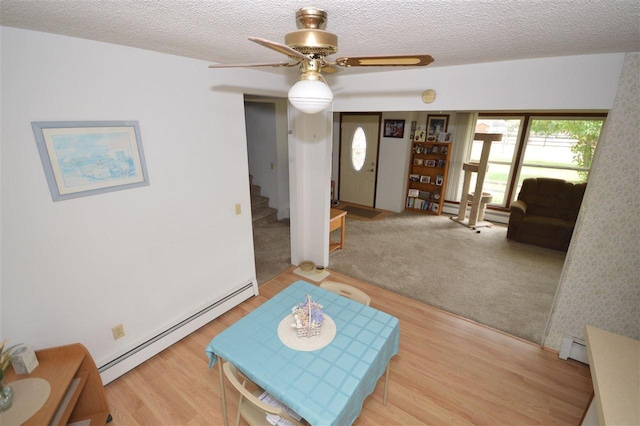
point(434, 149)
point(444, 150)
point(444, 137)
point(394, 128)
point(425, 179)
point(83, 158)
point(439, 180)
point(420, 134)
point(435, 125)
point(418, 162)
point(414, 178)
point(430, 163)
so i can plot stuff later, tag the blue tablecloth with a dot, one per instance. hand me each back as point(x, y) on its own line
point(327, 386)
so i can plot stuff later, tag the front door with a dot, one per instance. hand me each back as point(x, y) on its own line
point(359, 158)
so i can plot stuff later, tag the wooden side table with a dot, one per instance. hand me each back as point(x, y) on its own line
point(337, 221)
point(77, 392)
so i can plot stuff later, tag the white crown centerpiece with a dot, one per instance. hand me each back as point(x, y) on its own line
point(309, 317)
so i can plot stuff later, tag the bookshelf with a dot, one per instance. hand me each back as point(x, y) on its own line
point(427, 180)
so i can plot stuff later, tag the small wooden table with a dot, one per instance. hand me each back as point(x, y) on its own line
point(338, 221)
point(77, 393)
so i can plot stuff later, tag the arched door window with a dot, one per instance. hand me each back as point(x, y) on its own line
point(358, 148)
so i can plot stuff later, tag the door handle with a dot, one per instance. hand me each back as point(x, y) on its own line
point(371, 170)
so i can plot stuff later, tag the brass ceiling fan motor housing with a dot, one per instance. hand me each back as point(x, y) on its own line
point(311, 38)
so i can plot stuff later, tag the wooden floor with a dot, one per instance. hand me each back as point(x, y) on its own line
point(449, 371)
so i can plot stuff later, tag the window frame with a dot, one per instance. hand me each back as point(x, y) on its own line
point(522, 138)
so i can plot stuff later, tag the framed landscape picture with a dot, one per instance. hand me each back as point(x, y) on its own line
point(82, 158)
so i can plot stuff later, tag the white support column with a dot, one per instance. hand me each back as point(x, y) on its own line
point(310, 137)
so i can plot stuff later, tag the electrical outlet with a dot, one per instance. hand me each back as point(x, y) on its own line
point(118, 331)
point(238, 208)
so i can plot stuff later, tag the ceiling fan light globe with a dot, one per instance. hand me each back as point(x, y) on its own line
point(310, 96)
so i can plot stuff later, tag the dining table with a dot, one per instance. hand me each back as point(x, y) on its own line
point(323, 378)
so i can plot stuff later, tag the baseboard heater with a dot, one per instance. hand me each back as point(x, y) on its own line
point(573, 348)
point(139, 354)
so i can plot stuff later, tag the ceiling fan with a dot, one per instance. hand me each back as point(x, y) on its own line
point(308, 48)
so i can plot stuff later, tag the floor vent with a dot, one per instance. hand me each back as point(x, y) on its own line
point(574, 348)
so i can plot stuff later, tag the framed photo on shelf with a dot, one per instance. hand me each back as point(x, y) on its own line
point(439, 180)
point(425, 179)
point(444, 149)
point(440, 163)
point(436, 124)
point(444, 137)
point(394, 128)
point(82, 158)
point(420, 134)
point(434, 149)
point(413, 192)
point(417, 161)
point(430, 163)
point(414, 177)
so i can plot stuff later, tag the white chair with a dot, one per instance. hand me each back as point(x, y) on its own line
point(250, 407)
point(347, 291)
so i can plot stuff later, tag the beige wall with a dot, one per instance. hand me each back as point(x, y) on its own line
point(600, 284)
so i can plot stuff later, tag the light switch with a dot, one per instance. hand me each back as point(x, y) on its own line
point(238, 208)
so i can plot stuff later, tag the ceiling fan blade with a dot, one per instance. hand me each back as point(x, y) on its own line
point(385, 61)
point(279, 47)
point(263, 64)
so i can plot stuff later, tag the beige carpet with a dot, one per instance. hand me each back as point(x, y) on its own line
point(484, 277)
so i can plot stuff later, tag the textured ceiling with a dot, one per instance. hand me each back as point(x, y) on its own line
point(454, 32)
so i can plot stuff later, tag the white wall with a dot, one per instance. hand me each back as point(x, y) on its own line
point(145, 257)
point(393, 164)
point(573, 82)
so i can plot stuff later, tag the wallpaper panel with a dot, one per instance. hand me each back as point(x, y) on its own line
point(600, 284)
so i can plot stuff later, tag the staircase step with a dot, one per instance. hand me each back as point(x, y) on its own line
point(255, 190)
point(259, 201)
point(264, 215)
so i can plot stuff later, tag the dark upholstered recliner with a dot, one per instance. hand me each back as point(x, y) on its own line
point(545, 212)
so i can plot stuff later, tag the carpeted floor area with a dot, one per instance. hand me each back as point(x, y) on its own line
point(484, 277)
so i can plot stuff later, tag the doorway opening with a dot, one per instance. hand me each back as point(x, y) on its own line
point(267, 151)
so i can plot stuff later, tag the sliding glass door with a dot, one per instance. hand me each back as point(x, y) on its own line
point(535, 145)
